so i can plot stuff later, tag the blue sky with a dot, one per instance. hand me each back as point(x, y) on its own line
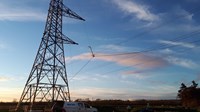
point(143, 49)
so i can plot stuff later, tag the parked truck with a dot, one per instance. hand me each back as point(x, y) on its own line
point(61, 106)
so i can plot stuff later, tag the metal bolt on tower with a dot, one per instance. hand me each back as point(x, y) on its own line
point(47, 81)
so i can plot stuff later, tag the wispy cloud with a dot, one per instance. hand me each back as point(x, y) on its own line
point(183, 44)
point(177, 19)
point(84, 78)
point(167, 51)
point(182, 62)
point(139, 74)
point(142, 12)
point(113, 47)
point(2, 79)
point(186, 15)
point(13, 13)
point(124, 93)
point(102, 93)
point(131, 60)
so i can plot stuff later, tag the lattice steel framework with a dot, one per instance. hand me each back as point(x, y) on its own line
point(47, 81)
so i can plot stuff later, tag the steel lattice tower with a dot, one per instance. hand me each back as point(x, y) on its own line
point(47, 81)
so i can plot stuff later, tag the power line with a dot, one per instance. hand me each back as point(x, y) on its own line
point(140, 63)
point(182, 37)
point(142, 33)
point(139, 52)
point(194, 10)
point(159, 26)
point(133, 54)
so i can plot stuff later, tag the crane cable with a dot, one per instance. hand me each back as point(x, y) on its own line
point(84, 64)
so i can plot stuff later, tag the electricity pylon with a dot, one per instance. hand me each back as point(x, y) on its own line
point(47, 81)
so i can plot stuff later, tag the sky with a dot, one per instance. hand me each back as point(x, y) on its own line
point(143, 49)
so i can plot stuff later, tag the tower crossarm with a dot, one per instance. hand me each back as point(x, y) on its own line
point(69, 13)
point(67, 40)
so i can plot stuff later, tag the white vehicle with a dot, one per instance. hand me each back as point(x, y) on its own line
point(61, 106)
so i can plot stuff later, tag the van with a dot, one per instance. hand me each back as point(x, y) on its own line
point(61, 106)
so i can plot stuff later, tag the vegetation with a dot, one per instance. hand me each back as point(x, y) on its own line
point(189, 96)
point(121, 106)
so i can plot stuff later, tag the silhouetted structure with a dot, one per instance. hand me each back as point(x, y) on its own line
point(47, 81)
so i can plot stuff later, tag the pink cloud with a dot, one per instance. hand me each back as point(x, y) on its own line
point(141, 61)
point(136, 73)
point(131, 72)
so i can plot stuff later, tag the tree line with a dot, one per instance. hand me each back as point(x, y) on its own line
point(189, 95)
